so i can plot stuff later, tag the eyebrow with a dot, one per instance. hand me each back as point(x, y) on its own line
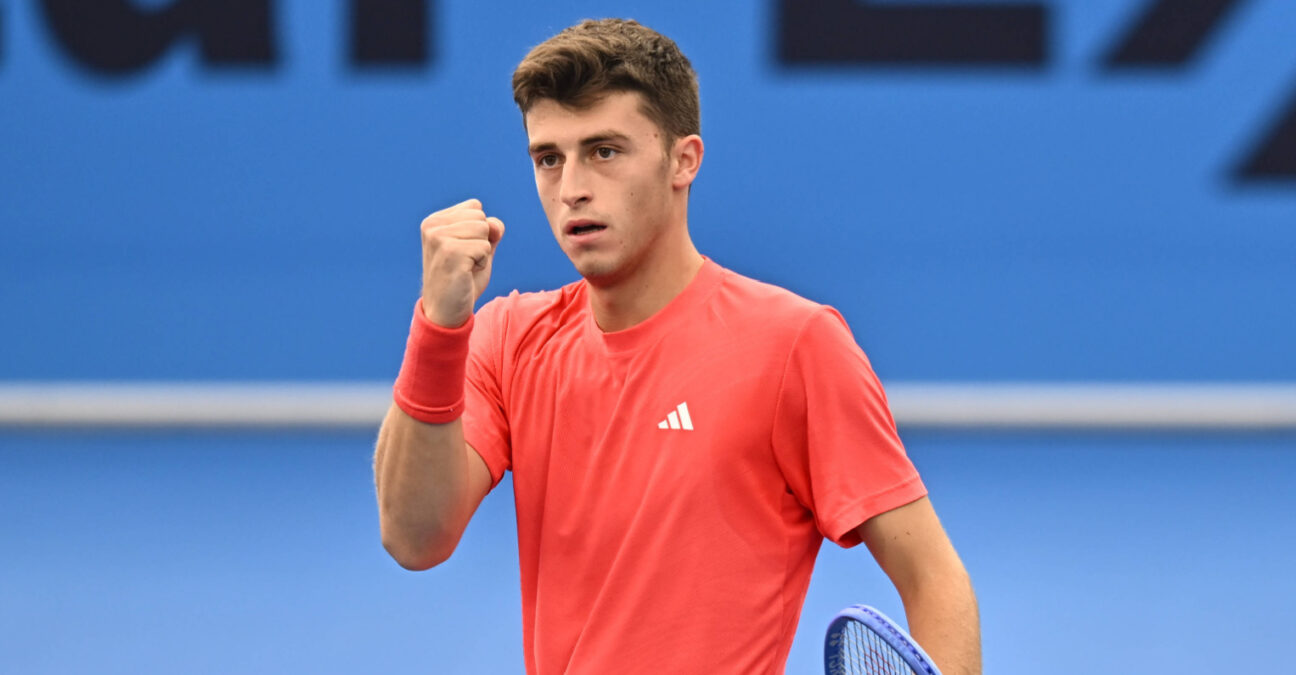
point(596, 139)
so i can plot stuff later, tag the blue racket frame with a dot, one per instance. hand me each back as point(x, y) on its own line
point(883, 627)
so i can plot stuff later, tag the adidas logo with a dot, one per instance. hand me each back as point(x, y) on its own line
point(677, 419)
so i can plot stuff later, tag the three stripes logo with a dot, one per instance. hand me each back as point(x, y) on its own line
point(678, 419)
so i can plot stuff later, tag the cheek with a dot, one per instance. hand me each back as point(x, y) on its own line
point(548, 195)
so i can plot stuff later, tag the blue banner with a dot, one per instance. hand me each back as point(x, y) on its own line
point(1065, 190)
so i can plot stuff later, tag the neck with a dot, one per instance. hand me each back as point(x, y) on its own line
point(657, 280)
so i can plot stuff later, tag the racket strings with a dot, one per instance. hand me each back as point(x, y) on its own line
point(863, 652)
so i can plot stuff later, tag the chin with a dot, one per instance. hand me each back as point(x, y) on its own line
point(596, 268)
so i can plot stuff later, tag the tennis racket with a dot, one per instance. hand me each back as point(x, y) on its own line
point(863, 641)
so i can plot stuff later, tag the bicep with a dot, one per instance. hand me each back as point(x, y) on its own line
point(910, 544)
point(479, 476)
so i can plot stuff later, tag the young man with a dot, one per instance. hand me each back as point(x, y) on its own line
point(682, 438)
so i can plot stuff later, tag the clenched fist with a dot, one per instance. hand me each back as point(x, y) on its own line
point(458, 246)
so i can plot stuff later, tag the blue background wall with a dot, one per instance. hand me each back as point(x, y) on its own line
point(1054, 223)
point(1061, 222)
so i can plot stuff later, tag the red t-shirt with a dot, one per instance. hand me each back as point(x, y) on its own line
point(674, 481)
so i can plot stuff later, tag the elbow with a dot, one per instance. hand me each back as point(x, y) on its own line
point(416, 563)
point(417, 556)
point(952, 584)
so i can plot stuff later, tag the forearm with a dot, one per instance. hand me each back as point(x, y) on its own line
point(943, 617)
point(425, 491)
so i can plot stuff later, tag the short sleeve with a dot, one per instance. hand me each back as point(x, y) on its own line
point(485, 421)
point(834, 437)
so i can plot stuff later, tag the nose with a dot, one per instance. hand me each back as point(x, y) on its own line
point(575, 188)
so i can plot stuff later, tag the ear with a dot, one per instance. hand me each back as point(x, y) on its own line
point(686, 159)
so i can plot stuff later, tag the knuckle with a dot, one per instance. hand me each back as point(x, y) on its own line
point(433, 241)
point(434, 219)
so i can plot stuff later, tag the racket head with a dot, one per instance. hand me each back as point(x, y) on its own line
point(863, 641)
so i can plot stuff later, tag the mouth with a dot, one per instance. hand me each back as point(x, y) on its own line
point(578, 228)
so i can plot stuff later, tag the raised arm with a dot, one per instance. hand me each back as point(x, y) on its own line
point(429, 481)
point(910, 545)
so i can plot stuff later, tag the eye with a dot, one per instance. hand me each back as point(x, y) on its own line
point(604, 152)
point(546, 161)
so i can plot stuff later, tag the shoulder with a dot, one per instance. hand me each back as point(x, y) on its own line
point(742, 301)
point(519, 305)
point(517, 315)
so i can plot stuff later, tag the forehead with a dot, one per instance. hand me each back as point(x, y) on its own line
point(550, 122)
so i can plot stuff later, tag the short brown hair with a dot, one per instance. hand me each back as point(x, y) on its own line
point(585, 62)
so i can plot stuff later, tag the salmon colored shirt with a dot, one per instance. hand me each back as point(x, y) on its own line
point(673, 481)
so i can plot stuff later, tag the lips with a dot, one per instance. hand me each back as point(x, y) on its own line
point(577, 228)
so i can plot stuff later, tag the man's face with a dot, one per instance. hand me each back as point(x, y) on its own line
point(604, 180)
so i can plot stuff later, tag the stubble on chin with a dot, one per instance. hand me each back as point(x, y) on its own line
point(595, 269)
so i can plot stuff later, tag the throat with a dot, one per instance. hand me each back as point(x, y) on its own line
point(631, 301)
